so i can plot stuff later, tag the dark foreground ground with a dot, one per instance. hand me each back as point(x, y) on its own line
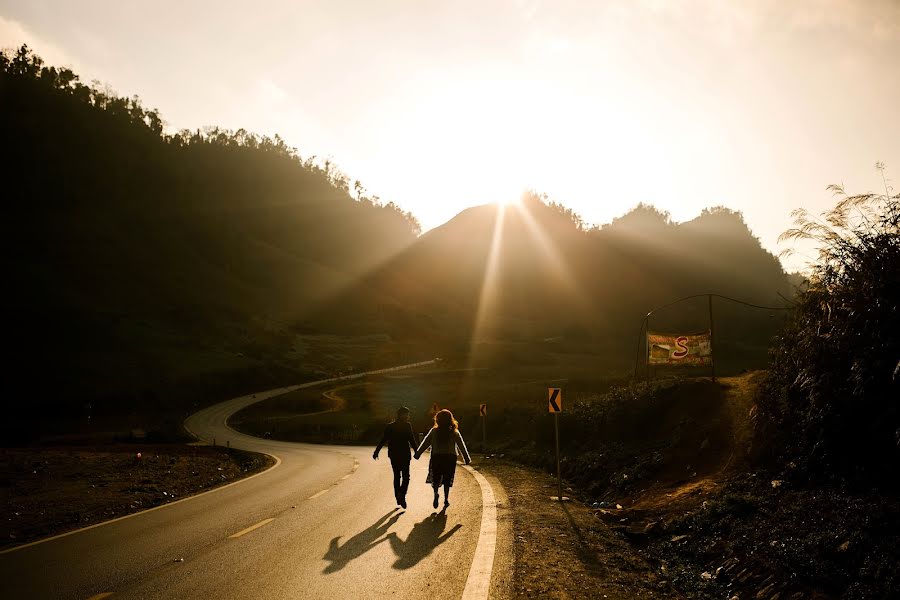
point(562, 550)
point(735, 537)
point(749, 536)
point(47, 491)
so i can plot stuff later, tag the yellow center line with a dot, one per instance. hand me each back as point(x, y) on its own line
point(251, 528)
point(345, 476)
point(100, 596)
point(317, 494)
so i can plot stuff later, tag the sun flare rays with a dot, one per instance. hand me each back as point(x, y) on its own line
point(489, 284)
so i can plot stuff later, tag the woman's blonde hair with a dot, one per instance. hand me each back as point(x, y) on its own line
point(444, 420)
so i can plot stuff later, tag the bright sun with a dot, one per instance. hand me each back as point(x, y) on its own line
point(488, 140)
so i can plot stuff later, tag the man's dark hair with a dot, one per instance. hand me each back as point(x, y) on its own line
point(403, 410)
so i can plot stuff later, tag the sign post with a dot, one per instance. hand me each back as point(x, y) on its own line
point(554, 405)
point(482, 410)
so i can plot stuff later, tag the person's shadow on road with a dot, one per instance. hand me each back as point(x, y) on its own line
point(359, 544)
point(422, 540)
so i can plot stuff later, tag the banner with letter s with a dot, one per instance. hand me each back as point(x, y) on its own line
point(694, 350)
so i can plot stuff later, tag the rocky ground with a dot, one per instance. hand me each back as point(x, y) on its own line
point(46, 491)
point(746, 535)
point(739, 537)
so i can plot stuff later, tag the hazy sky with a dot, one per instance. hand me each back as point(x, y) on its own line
point(757, 105)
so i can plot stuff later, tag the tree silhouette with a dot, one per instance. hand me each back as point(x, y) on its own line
point(830, 402)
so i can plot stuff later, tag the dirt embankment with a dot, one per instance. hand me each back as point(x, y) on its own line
point(689, 516)
point(562, 551)
point(47, 491)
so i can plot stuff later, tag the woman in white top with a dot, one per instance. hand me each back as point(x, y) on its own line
point(444, 439)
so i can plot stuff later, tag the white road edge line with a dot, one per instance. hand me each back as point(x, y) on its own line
point(280, 391)
point(478, 583)
point(251, 528)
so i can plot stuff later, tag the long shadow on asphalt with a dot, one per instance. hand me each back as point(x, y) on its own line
point(359, 544)
point(425, 536)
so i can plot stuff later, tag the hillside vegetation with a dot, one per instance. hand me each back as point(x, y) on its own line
point(143, 261)
point(151, 270)
point(549, 277)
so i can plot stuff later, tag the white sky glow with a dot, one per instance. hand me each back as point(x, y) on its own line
point(439, 106)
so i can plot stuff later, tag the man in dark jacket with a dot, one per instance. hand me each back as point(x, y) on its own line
point(400, 440)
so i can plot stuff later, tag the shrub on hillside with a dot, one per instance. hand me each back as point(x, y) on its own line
point(831, 404)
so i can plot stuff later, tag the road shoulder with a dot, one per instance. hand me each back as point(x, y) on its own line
point(560, 550)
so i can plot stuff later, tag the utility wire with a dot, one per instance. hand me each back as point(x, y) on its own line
point(645, 320)
point(750, 304)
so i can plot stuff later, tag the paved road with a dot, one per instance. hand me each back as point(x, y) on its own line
point(321, 524)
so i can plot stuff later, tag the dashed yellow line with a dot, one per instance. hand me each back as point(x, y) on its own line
point(317, 494)
point(251, 528)
point(100, 596)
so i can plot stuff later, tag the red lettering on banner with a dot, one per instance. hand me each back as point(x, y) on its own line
point(681, 344)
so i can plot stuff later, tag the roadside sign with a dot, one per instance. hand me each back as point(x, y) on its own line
point(482, 410)
point(554, 404)
point(555, 400)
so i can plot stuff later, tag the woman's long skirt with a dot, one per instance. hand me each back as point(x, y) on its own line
point(441, 470)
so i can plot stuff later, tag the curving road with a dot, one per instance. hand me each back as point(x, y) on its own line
point(320, 524)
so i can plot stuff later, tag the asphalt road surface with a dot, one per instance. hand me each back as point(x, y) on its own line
point(321, 524)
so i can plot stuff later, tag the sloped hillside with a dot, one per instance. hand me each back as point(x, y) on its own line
point(531, 272)
point(139, 260)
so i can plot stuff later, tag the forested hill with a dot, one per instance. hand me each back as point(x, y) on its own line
point(547, 276)
point(133, 252)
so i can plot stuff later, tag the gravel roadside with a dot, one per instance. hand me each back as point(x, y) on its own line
point(562, 550)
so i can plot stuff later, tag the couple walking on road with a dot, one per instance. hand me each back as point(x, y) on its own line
point(444, 439)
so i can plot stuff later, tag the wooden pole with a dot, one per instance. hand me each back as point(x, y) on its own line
point(647, 337)
point(712, 358)
point(637, 350)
